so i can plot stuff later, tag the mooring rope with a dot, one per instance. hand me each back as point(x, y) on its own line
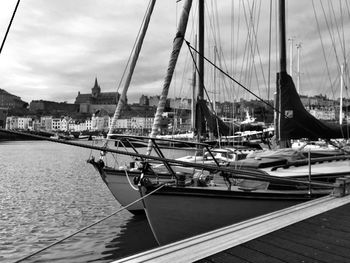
point(131, 185)
point(91, 225)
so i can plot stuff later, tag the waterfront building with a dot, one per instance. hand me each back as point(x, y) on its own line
point(122, 124)
point(142, 124)
point(324, 113)
point(88, 124)
point(46, 123)
point(65, 123)
point(100, 123)
point(56, 124)
point(25, 123)
point(11, 123)
point(97, 100)
point(76, 126)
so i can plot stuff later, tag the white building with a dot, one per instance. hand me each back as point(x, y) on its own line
point(88, 124)
point(100, 123)
point(324, 114)
point(121, 123)
point(65, 123)
point(56, 124)
point(141, 123)
point(46, 123)
point(25, 123)
point(11, 122)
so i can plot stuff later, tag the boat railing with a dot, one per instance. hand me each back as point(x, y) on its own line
point(157, 147)
point(155, 139)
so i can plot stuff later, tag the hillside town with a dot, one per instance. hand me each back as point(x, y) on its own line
point(92, 112)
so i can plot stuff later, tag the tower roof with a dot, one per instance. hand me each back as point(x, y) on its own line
point(96, 83)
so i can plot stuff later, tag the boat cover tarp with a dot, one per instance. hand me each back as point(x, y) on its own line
point(204, 115)
point(295, 121)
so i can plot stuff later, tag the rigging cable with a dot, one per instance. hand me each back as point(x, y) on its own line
point(323, 49)
point(256, 46)
point(342, 47)
point(9, 26)
point(223, 72)
point(331, 34)
point(242, 86)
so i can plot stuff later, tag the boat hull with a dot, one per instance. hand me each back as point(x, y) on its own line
point(192, 211)
point(118, 183)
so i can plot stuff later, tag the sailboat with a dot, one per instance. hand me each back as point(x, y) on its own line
point(120, 179)
point(269, 181)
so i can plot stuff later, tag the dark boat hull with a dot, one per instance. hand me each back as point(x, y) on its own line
point(176, 213)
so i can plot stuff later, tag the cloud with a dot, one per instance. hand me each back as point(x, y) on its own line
point(57, 48)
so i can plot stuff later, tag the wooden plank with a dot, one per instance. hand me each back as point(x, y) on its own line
point(252, 255)
point(224, 257)
point(308, 251)
point(277, 252)
point(323, 245)
point(331, 223)
point(332, 236)
point(211, 243)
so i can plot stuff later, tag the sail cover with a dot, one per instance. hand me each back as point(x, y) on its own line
point(214, 123)
point(295, 121)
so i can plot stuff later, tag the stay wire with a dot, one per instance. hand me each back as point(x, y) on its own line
point(223, 72)
point(323, 48)
point(91, 225)
point(9, 26)
point(252, 93)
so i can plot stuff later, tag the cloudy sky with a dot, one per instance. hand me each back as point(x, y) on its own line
point(57, 48)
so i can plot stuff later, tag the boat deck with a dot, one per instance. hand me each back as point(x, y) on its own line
point(322, 238)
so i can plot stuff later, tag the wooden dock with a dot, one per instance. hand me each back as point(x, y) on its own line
point(315, 231)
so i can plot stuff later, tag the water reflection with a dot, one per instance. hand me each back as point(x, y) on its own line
point(135, 236)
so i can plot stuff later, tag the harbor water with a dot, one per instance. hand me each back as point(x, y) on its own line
point(47, 192)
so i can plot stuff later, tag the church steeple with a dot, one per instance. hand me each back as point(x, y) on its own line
point(96, 90)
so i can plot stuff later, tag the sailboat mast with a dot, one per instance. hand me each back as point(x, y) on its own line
point(177, 44)
point(282, 35)
point(201, 49)
point(200, 125)
point(283, 69)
